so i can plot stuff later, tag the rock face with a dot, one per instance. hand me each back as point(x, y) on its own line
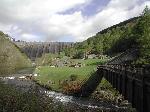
point(36, 49)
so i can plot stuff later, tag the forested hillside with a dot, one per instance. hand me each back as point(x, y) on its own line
point(133, 33)
point(11, 58)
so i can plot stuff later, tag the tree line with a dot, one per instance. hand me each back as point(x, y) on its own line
point(133, 33)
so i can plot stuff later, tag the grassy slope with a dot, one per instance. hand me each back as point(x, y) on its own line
point(11, 59)
point(61, 73)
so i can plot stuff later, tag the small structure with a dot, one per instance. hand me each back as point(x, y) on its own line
point(35, 75)
point(52, 66)
point(91, 56)
point(103, 57)
point(76, 65)
point(59, 64)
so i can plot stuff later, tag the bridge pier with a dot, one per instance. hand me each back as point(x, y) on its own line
point(91, 84)
point(133, 82)
point(124, 87)
point(120, 83)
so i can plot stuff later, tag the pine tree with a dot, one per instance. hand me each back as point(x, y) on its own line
point(142, 33)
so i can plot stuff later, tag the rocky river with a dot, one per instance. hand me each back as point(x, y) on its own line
point(77, 104)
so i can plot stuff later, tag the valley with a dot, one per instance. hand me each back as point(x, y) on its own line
point(108, 72)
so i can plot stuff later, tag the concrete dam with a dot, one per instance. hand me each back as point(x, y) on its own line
point(36, 49)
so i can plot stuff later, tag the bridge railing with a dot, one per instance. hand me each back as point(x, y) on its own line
point(138, 69)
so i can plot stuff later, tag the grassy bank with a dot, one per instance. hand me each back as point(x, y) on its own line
point(11, 58)
point(59, 74)
point(104, 92)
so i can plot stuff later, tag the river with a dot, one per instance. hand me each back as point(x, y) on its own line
point(79, 103)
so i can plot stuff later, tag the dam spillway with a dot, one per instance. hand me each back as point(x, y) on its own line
point(36, 49)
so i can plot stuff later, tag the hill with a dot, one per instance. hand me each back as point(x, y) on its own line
point(110, 41)
point(130, 34)
point(11, 58)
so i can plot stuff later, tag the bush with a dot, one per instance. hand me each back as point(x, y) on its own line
point(73, 77)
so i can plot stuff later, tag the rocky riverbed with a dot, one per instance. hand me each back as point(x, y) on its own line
point(69, 103)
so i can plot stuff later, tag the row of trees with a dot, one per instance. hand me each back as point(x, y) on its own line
point(141, 32)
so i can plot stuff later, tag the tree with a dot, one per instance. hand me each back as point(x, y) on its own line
point(79, 54)
point(142, 33)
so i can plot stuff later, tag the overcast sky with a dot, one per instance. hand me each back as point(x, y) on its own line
point(64, 20)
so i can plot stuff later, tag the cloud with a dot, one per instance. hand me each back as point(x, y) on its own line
point(29, 37)
point(41, 20)
point(28, 9)
point(115, 12)
point(36, 17)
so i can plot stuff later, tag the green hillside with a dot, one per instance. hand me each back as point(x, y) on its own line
point(11, 58)
point(133, 33)
point(110, 41)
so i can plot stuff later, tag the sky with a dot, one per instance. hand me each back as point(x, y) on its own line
point(64, 20)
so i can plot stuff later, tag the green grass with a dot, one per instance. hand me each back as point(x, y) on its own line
point(61, 73)
point(11, 58)
point(90, 62)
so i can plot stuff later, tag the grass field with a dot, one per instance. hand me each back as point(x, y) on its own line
point(47, 73)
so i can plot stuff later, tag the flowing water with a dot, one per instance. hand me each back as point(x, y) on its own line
point(71, 102)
